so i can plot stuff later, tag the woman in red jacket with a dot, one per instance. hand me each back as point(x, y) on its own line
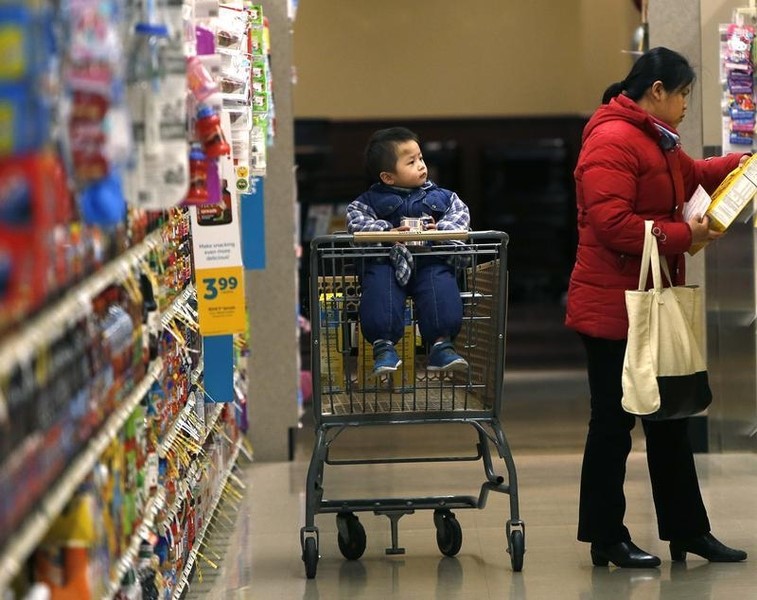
point(631, 169)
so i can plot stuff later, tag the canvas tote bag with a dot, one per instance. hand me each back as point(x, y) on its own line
point(664, 371)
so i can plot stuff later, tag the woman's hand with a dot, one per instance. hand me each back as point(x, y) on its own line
point(743, 159)
point(700, 230)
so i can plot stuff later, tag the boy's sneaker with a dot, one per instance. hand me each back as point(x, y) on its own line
point(444, 358)
point(385, 358)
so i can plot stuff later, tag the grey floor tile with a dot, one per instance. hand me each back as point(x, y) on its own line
point(546, 425)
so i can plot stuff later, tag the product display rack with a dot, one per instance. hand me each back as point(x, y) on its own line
point(157, 504)
point(732, 308)
point(183, 581)
point(113, 455)
point(181, 420)
point(38, 332)
point(152, 509)
point(23, 542)
point(21, 345)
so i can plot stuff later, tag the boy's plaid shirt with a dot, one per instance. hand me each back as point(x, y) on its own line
point(362, 217)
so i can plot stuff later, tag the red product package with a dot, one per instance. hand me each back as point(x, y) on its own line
point(33, 198)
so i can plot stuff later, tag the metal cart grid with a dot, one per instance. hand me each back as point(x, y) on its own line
point(347, 395)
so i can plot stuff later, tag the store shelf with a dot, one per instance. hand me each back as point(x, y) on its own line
point(178, 424)
point(183, 417)
point(157, 504)
point(35, 353)
point(79, 299)
point(214, 414)
point(152, 508)
point(183, 580)
point(192, 472)
point(178, 305)
point(41, 329)
point(181, 493)
point(22, 543)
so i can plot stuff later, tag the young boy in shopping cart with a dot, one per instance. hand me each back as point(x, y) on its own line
point(394, 161)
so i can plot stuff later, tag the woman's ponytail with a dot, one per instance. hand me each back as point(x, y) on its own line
point(614, 90)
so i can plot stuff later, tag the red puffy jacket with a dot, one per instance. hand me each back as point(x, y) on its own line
point(624, 177)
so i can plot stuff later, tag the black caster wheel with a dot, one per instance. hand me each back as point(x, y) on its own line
point(351, 536)
point(449, 534)
point(517, 549)
point(310, 557)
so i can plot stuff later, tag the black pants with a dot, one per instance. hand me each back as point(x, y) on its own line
point(678, 502)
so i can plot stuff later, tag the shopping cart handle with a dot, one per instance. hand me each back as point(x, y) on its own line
point(430, 235)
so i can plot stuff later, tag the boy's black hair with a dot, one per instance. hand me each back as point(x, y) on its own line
point(381, 150)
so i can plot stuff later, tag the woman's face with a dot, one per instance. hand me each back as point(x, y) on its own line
point(670, 107)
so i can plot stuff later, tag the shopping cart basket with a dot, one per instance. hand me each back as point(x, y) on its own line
point(345, 394)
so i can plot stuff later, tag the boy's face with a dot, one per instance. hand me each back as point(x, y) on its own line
point(409, 171)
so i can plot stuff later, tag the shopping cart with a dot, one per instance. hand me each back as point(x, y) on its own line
point(346, 395)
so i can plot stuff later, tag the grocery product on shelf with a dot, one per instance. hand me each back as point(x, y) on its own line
point(34, 205)
point(156, 91)
point(198, 176)
point(209, 132)
point(737, 72)
point(95, 137)
point(27, 70)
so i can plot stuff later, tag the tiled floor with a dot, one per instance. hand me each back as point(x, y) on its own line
point(545, 423)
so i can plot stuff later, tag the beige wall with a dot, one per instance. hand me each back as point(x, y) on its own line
point(374, 59)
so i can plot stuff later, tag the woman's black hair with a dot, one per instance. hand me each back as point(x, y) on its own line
point(657, 64)
point(381, 151)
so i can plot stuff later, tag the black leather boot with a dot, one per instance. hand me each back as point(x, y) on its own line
point(706, 546)
point(622, 554)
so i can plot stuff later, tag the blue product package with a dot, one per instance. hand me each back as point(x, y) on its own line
point(24, 120)
point(102, 202)
point(27, 42)
point(742, 114)
point(741, 139)
point(16, 44)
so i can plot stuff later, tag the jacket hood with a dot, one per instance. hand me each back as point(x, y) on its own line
point(623, 108)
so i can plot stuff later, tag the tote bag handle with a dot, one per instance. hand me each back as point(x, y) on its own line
point(651, 255)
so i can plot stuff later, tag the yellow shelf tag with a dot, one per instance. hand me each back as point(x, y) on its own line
point(220, 300)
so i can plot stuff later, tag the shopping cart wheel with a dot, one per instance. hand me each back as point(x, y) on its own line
point(449, 534)
point(351, 536)
point(517, 549)
point(310, 557)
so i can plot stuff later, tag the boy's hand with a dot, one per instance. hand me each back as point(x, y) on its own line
point(428, 222)
point(401, 228)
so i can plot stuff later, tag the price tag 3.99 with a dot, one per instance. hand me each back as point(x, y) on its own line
point(220, 300)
